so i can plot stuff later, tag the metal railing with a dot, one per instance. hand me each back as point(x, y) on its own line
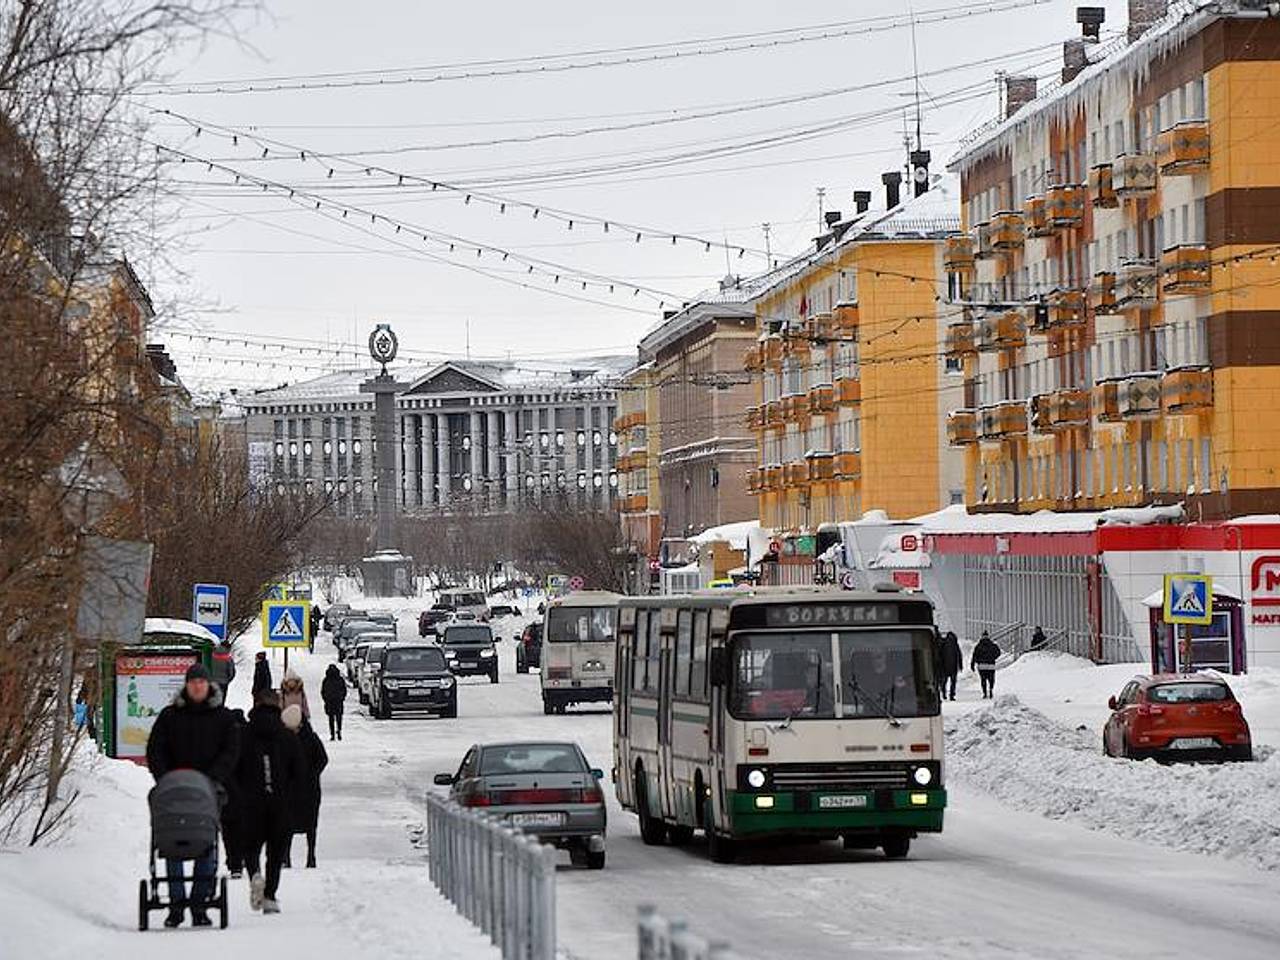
point(663, 939)
point(501, 880)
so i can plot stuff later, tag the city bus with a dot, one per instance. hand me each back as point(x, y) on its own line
point(579, 636)
point(779, 712)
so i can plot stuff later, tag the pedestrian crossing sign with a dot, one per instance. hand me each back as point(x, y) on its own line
point(1188, 598)
point(286, 623)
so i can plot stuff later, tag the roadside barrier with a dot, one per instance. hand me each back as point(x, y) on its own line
point(663, 939)
point(501, 880)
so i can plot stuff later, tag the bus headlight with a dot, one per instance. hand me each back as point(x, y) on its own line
point(756, 779)
point(922, 776)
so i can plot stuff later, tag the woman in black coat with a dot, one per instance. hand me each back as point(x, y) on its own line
point(333, 691)
point(304, 800)
point(268, 773)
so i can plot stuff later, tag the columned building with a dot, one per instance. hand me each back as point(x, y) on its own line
point(484, 436)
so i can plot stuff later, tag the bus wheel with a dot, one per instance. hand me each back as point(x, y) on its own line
point(652, 830)
point(896, 846)
point(547, 708)
point(680, 835)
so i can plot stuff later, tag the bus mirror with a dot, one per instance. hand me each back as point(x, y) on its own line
point(718, 667)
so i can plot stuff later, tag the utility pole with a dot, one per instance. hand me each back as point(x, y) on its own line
point(822, 196)
point(768, 251)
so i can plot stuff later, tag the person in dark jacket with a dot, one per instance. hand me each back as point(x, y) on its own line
point(195, 732)
point(261, 674)
point(1038, 638)
point(985, 655)
point(269, 769)
point(233, 833)
point(952, 660)
point(317, 619)
point(306, 796)
point(333, 691)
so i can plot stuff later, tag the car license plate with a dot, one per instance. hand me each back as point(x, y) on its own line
point(1193, 743)
point(843, 801)
point(536, 819)
point(419, 692)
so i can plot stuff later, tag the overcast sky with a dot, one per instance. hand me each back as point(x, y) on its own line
point(278, 268)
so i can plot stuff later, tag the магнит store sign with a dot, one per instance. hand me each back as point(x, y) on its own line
point(1264, 590)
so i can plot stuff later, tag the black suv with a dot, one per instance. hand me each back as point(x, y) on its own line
point(428, 619)
point(469, 649)
point(414, 677)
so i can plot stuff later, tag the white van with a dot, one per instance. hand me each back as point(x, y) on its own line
point(578, 636)
point(463, 600)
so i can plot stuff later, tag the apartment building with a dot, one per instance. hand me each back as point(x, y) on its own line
point(1121, 335)
point(638, 430)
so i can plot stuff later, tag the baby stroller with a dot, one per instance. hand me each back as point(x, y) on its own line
point(184, 826)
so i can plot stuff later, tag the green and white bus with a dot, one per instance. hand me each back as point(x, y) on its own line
point(779, 712)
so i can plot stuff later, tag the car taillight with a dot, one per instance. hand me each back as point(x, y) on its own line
point(534, 797)
point(476, 800)
point(592, 795)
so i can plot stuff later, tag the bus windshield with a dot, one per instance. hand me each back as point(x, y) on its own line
point(582, 624)
point(879, 673)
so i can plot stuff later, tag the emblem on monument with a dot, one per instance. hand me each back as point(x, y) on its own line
point(383, 345)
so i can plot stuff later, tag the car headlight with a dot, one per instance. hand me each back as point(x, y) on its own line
point(922, 776)
point(447, 682)
point(488, 653)
point(756, 779)
point(450, 654)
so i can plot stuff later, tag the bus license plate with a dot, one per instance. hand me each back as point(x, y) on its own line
point(1193, 743)
point(843, 801)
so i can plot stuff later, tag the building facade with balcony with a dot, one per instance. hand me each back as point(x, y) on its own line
point(705, 449)
point(853, 386)
point(1121, 337)
point(639, 491)
point(482, 436)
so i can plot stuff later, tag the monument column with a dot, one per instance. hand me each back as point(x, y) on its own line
point(386, 573)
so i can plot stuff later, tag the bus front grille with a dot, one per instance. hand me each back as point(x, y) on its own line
point(841, 777)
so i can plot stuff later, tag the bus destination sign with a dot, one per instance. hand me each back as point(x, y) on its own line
point(830, 614)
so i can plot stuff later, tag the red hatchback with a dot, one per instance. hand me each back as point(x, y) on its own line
point(1177, 717)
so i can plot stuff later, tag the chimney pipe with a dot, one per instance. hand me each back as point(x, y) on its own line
point(892, 188)
point(1145, 14)
point(861, 200)
point(1091, 20)
point(1074, 59)
point(831, 217)
point(920, 171)
point(1018, 92)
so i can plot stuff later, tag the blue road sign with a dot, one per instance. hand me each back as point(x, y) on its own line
point(1188, 598)
point(286, 623)
point(209, 602)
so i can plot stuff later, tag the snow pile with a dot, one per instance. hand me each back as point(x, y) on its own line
point(1029, 761)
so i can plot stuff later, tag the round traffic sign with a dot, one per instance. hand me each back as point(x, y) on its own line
point(576, 583)
point(849, 580)
point(775, 546)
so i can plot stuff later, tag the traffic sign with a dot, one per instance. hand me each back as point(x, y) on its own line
point(209, 602)
point(849, 580)
point(576, 583)
point(1188, 598)
point(286, 623)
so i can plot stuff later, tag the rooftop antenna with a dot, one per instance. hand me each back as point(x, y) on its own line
point(768, 251)
point(728, 265)
point(468, 323)
point(915, 60)
point(822, 196)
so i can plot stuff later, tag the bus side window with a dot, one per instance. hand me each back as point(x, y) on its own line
point(684, 652)
point(698, 666)
point(640, 650)
point(652, 669)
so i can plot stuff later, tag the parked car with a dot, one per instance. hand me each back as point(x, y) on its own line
point(469, 649)
point(333, 616)
point(345, 639)
point(1177, 717)
point(374, 656)
point(529, 647)
point(428, 619)
point(414, 676)
point(503, 610)
point(355, 657)
point(545, 789)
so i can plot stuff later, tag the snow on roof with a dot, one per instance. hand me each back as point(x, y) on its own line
point(183, 628)
point(958, 521)
point(736, 535)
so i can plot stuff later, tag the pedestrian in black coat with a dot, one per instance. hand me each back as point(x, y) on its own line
point(261, 674)
point(984, 657)
point(306, 795)
point(194, 732)
point(268, 772)
point(333, 691)
point(233, 833)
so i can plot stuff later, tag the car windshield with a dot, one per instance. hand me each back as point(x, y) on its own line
point(881, 673)
point(582, 624)
point(352, 627)
point(359, 652)
point(468, 635)
point(1189, 693)
point(531, 758)
point(377, 654)
point(414, 660)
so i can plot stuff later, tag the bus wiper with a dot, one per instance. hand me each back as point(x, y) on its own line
point(790, 719)
point(883, 702)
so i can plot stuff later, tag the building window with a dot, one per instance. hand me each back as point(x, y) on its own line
point(279, 449)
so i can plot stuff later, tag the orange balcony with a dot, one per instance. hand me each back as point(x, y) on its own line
point(848, 464)
point(795, 473)
point(1000, 421)
point(1102, 293)
point(772, 350)
point(962, 427)
point(1185, 389)
point(755, 417)
point(822, 466)
point(635, 503)
point(1008, 231)
point(1139, 397)
point(1185, 268)
point(845, 318)
point(796, 343)
point(753, 359)
point(822, 398)
point(1041, 405)
point(1136, 285)
point(957, 254)
point(1104, 401)
point(1036, 216)
point(1001, 331)
point(961, 339)
point(794, 407)
point(1134, 175)
point(848, 391)
point(773, 478)
point(1066, 308)
point(1183, 149)
point(1068, 408)
point(1064, 205)
point(755, 481)
point(1102, 191)
point(819, 327)
point(982, 248)
point(773, 415)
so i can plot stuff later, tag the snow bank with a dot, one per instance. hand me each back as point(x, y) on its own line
point(1029, 761)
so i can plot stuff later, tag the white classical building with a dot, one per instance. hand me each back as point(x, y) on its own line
point(484, 435)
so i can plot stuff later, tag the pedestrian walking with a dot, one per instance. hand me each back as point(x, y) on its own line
point(952, 661)
point(234, 839)
point(1038, 638)
point(292, 692)
point(306, 795)
point(261, 674)
point(194, 732)
point(267, 774)
point(985, 655)
point(333, 691)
